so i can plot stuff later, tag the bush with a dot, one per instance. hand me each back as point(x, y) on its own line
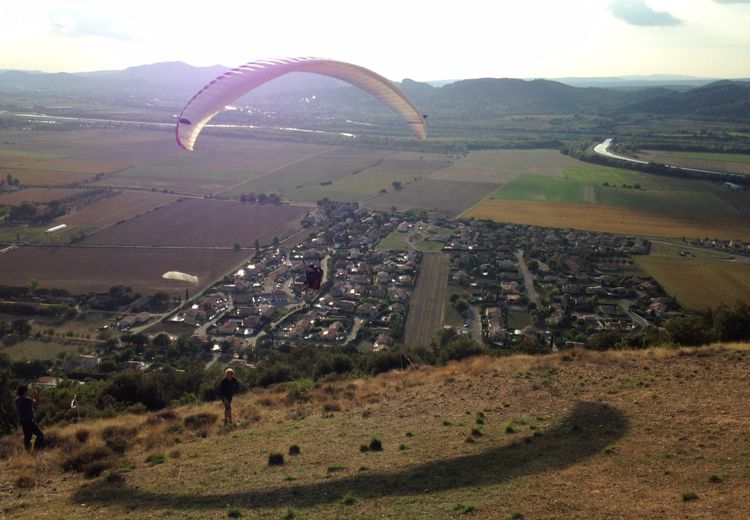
point(234, 512)
point(200, 420)
point(294, 450)
point(276, 459)
point(25, 482)
point(375, 444)
point(298, 390)
point(90, 460)
point(156, 458)
point(687, 497)
point(82, 435)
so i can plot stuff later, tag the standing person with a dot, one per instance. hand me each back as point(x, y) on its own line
point(25, 407)
point(228, 387)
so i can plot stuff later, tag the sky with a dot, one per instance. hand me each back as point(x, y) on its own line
point(416, 39)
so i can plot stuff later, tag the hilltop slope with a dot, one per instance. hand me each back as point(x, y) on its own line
point(653, 434)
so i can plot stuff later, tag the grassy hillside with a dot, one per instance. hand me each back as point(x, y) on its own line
point(662, 433)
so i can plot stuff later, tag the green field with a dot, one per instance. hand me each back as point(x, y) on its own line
point(395, 241)
point(697, 283)
point(33, 349)
point(614, 187)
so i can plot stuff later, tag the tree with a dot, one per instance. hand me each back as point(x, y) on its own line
point(397, 185)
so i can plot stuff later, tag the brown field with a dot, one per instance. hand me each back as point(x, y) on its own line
point(109, 211)
point(329, 165)
point(502, 166)
point(80, 269)
point(699, 283)
point(427, 303)
point(448, 197)
point(613, 219)
point(16, 198)
point(203, 223)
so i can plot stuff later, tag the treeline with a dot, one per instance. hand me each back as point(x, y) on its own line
point(723, 323)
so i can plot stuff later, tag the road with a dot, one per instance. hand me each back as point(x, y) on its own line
point(475, 324)
point(528, 279)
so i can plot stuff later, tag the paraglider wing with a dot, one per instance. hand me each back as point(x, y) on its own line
point(212, 98)
point(183, 277)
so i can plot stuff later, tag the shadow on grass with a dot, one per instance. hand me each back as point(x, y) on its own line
point(588, 429)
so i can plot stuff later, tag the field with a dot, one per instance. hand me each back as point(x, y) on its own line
point(84, 269)
point(446, 197)
point(613, 219)
point(203, 223)
point(32, 349)
point(394, 241)
point(723, 162)
point(16, 198)
point(427, 301)
point(613, 187)
point(698, 283)
point(661, 434)
point(502, 166)
point(109, 211)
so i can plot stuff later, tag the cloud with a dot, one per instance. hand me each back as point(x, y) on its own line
point(636, 12)
point(78, 23)
point(732, 1)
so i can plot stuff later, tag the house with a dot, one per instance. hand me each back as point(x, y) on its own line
point(126, 323)
point(383, 341)
point(367, 310)
point(47, 381)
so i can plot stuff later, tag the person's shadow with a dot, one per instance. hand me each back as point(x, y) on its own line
point(586, 431)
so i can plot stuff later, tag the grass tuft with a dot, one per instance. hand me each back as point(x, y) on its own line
point(156, 458)
point(348, 499)
point(465, 509)
point(234, 512)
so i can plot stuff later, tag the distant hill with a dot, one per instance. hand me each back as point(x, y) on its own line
point(664, 95)
point(721, 99)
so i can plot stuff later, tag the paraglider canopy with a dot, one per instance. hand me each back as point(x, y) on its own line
point(222, 91)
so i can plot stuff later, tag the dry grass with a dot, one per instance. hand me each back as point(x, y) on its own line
point(616, 434)
point(612, 219)
point(697, 283)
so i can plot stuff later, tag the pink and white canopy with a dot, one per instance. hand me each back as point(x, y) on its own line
point(212, 98)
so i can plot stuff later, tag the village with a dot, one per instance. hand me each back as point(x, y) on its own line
point(526, 287)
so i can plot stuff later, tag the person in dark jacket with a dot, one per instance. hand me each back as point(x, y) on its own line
point(25, 407)
point(227, 388)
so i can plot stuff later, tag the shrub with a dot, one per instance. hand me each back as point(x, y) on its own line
point(168, 414)
point(294, 450)
point(331, 407)
point(25, 482)
point(465, 509)
point(275, 459)
point(234, 512)
point(375, 444)
point(298, 390)
point(687, 497)
point(364, 448)
point(335, 467)
point(116, 438)
point(82, 435)
point(348, 499)
point(156, 458)
point(476, 432)
point(516, 515)
point(715, 479)
point(200, 420)
point(89, 459)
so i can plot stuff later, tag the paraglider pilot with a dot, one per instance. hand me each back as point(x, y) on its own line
point(227, 388)
point(25, 407)
point(313, 276)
